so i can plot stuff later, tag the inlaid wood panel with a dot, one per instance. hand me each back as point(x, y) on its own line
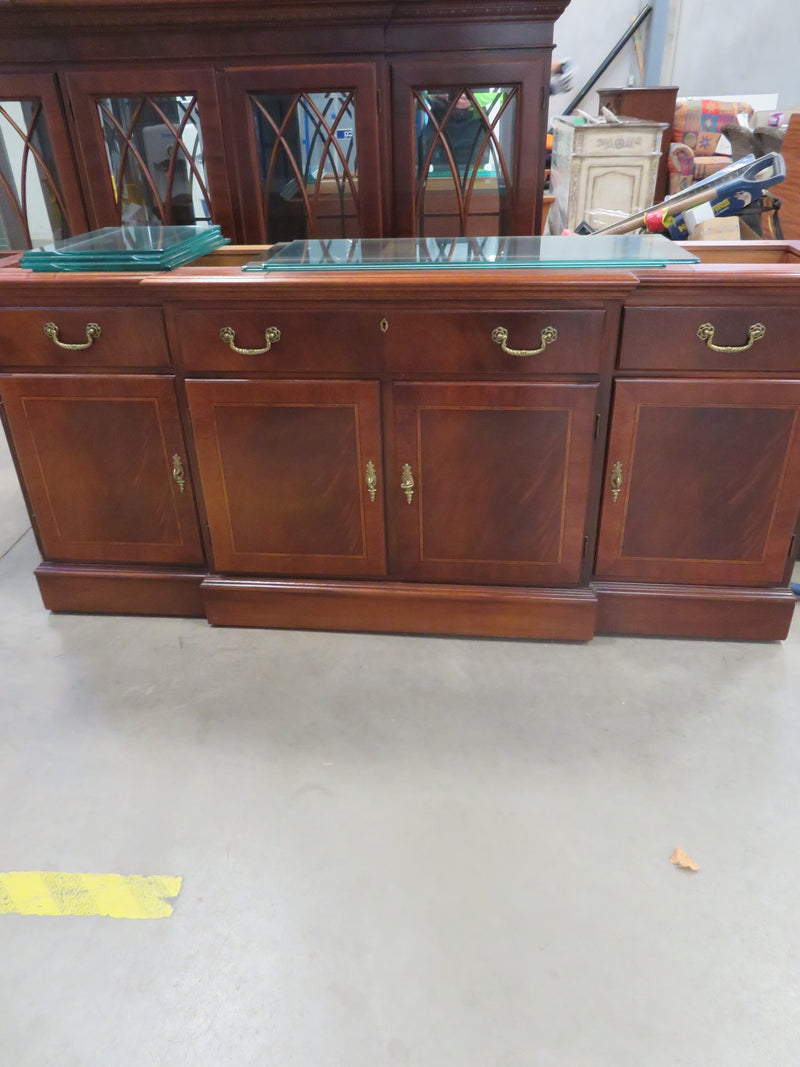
point(501, 481)
point(706, 476)
point(284, 472)
point(98, 456)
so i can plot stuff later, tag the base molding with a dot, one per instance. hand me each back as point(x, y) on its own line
point(106, 590)
point(399, 607)
point(693, 611)
point(718, 613)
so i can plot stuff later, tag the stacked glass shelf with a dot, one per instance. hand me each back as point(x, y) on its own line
point(412, 253)
point(126, 248)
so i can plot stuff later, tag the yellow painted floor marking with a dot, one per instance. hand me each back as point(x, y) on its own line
point(120, 896)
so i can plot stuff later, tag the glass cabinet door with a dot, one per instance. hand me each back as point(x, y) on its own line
point(155, 154)
point(307, 144)
point(152, 148)
point(468, 143)
point(465, 164)
point(39, 197)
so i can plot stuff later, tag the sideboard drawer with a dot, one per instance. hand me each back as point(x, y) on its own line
point(748, 337)
point(127, 337)
point(279, 340)
point(496, 342)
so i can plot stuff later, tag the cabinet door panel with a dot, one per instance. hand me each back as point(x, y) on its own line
point(97, 456)
point(40, 200)
point(284, 470)
point(151, 147)
point(306, 139)
point(501, 477)
point(464, 137)
point(707, 481)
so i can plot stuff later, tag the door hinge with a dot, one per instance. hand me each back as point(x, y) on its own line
point(597, 425)
point(585, 545)
point(378, 100)
point(791, 546)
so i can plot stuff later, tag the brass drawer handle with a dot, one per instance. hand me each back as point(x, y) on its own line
point(178, 473)
point(372, 480)
point(754, 333)
point(271, 335)
point(500, 336)
point(616, 480)
point(407, 482)
point(93, 331)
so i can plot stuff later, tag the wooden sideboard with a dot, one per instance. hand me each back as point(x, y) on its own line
point(359, 452)
point(274, 120)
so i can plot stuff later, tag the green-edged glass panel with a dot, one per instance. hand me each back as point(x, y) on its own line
point(464, 253)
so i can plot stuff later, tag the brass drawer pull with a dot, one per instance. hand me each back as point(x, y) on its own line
point(372, 480)
point(407, 482)
point(500, 336)
point(93, 331)
point(271, 335)
point(754, 333)
point(616, 480)
point(178, 473)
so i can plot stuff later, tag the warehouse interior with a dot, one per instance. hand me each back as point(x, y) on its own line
point(388, 848)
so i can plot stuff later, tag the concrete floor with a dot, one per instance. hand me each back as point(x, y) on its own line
point(397, 850)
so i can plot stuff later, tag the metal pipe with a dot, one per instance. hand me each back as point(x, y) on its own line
point(612, 55)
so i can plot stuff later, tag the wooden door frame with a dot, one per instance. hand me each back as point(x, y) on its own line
point(364, 397)
point(579, 398)
point(158, 389)
point(741, 393)
point(16, 87)
point(85, 86)
point(530, 73)
point(239, 82)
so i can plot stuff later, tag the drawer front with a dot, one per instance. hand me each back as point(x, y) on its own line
point(496, 342)
point(666, 338)
point(128, 337)
point(282, 341)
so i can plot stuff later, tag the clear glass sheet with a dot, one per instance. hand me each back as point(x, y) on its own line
point(410, 253)
point(139, 240)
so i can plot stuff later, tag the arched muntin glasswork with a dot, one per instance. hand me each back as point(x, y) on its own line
point(464, 159)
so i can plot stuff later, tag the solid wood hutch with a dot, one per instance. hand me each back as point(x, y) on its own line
point(531, 453)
